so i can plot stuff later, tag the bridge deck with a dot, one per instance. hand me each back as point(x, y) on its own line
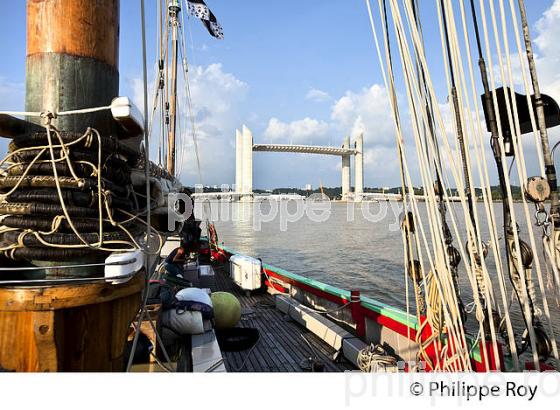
point(303, 149)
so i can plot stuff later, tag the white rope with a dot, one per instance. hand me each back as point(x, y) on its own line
point(407, 174)
point(517, 250)
point(374, 358)
point(426, 119)
point(55, 114)
point(442, 271)
point(522, 170)
point(481, 283)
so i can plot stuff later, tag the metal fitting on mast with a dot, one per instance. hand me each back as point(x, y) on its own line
point(174, 7)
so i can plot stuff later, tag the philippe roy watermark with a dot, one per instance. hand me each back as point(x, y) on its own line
point(283, 210)
point(452, 388)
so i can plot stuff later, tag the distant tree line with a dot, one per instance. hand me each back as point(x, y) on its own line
point(336, 192)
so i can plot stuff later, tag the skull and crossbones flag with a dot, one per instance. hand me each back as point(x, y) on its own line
point(199, 9)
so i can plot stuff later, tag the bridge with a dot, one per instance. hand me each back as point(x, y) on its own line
point(244, 149)
point(303, 149)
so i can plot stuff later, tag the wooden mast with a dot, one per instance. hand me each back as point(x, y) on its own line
point(174, 10)
point(72, 60)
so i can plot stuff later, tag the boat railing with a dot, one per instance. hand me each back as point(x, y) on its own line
point(377, 307)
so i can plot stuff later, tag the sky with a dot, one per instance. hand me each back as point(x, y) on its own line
point(301, 72)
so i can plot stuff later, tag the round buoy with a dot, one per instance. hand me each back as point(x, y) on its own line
point(227, 310)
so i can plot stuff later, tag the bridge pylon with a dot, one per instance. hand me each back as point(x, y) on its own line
point(247, 166)
point(346, 184)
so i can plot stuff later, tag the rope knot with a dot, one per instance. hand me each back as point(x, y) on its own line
point(479, 313)
point(57, 220)
point(47, 117)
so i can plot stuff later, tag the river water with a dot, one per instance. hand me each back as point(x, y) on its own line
point(350, 246)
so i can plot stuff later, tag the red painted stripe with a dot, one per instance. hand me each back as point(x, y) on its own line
point(275, 286)
point(382, 320)
point(307, 288)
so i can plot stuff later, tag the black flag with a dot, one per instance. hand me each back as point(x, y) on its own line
point(200, 10)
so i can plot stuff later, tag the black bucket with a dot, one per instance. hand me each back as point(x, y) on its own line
point(237, 339)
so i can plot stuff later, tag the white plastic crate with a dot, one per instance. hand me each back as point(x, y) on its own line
point(246, 272)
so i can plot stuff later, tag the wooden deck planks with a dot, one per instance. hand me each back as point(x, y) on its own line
point(281, 347)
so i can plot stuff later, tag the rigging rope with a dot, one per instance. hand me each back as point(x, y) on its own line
point(429, 242)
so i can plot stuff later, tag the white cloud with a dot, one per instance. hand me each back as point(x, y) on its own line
point(545, 33)
point(217, 103)
point(301, 131)
point(356, 112)
point(366, 111)
point(546, 46)
point(317, 95)
point(548, 30)
point(216, 97)
point(548, 50)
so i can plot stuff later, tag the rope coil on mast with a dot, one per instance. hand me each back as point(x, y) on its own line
point(47, 164)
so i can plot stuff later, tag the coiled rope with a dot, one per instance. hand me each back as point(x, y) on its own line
point(374, 358)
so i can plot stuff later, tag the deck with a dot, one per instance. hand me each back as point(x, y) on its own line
point(284, 345)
